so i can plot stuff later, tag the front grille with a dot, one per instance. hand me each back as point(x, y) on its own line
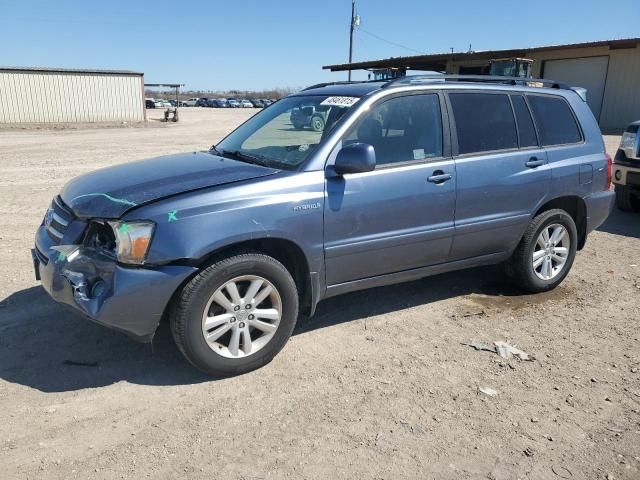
point(633, 179)
point(57, 219)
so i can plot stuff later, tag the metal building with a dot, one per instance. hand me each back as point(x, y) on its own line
point(609, 70)
point(46, 95)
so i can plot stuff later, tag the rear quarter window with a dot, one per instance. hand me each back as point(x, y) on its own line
point(484, 122)
point(555, 120)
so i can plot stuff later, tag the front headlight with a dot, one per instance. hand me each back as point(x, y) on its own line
point(133, 240)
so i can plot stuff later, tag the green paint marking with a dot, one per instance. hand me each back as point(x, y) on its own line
point(172, 216)
point(124, 228)
point(61, 257)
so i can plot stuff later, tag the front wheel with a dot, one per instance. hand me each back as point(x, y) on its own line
point(546, 252)
point(236, 315)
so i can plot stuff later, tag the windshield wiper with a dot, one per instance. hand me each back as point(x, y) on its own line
point(246, 157)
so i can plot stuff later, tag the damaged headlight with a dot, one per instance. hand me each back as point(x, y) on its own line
point(132, 240)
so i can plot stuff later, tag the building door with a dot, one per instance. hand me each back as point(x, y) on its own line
point(587, 72)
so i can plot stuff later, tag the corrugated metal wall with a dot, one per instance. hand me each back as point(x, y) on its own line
point(70, 97)
point(621, 104)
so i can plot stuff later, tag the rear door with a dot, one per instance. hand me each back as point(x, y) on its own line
point(502, 173)
point(399, 216)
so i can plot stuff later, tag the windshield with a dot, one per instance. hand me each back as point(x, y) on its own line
point(285, 134)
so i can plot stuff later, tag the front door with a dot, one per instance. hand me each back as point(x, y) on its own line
point(399, 216)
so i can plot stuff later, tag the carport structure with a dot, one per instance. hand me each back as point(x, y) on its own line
point(176, 88)
point(608, 69)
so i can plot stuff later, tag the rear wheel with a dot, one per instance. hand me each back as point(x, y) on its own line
point(236, 315)
point(627, 199)
point(546, 252)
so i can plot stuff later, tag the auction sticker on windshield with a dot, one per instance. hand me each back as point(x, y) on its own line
point(340, 101)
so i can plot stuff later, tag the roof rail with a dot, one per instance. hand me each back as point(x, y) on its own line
point(325, 84)
point(529, 82)
point(345, 82)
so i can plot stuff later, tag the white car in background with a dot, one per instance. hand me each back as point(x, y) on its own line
point(161, 103)
point(191, 102)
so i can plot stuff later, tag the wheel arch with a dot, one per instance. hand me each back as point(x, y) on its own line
point(574, 206)
point(283, 250)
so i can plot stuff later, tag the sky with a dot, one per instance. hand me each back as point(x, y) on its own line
point(261, 44)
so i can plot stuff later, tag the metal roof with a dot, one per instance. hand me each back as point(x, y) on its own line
point(69, 70)
point(437, 61)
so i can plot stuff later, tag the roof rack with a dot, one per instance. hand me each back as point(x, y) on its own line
point(529, 82)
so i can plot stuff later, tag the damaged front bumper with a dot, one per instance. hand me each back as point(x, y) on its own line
point(131, 300)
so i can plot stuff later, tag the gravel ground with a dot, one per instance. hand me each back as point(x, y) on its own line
point(378, 385)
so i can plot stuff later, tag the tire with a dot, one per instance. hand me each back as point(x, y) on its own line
point(317, 124)
point(626, 200)
point(520, 267)
point(188, 316)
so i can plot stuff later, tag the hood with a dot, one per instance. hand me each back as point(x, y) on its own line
point(110, 192)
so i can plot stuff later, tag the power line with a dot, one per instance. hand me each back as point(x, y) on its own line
point(388, 41)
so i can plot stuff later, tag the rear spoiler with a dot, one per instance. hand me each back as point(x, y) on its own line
point(582, 92)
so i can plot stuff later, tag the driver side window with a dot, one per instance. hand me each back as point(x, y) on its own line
point(402, 129)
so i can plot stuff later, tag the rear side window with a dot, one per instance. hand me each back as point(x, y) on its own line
point(555, 120)
point(484, 122)
point(526, 130)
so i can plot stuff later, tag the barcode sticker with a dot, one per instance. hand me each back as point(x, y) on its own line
point(339, 101)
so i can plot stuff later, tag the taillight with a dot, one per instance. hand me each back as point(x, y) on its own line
point(607, 185)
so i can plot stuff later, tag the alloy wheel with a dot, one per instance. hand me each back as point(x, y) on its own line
point(551, 251)
point(242, 316)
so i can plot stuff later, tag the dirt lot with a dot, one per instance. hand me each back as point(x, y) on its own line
point(378, 385)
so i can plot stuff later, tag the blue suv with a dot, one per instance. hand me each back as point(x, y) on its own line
point(406, 179)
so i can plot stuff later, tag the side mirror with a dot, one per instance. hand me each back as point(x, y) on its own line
point(354, 158)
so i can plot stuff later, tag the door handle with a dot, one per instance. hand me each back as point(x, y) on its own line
point(439, 177)
point(534, 162)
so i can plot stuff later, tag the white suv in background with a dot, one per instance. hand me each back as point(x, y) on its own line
point(191, 102)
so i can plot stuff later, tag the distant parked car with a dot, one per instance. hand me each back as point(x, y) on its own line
point(266, 102)
point(202, 102)
point(162, 103)
point(233, 103)
point(244, 103)
point(149, 103)
point(216, 103)
point(256, 102)
point(191, 102)
point(221, 103)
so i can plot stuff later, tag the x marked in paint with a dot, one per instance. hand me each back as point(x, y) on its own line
point(172, 216)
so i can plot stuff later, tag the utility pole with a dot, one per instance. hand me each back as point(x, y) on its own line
point(353, 22)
